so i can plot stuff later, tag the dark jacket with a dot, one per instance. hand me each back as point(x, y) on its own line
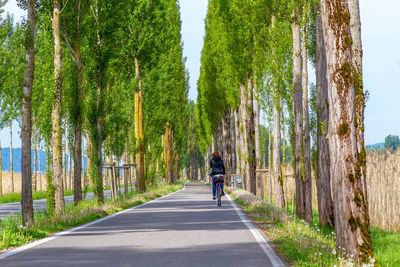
point(217, 166)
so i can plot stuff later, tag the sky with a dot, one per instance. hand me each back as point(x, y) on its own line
point(381, 62)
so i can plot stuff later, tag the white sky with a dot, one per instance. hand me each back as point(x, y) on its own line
point(381, 40)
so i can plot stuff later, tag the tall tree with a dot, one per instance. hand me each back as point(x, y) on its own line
point(306, 129)
point(26, 131)
point(298, 115)
point(340, 23)
point(324, 196)
point(56, 112)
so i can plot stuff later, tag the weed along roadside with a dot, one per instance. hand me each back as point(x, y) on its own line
point(304, 244)
point(13, 234)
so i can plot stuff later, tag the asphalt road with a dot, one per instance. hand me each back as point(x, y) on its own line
point(182, 229)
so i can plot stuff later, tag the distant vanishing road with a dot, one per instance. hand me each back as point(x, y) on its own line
point(182, 229)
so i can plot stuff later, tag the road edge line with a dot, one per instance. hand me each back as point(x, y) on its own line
point(66, 232)
point(259, 237)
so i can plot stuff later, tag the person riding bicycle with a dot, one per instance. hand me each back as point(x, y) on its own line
point(218, 171)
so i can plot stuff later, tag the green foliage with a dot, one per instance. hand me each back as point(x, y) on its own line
point(392, 142)
point(12, 69)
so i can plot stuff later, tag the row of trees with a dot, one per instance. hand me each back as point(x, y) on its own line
point(255, 56)
point(107, 71)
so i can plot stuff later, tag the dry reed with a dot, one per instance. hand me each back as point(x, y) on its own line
point(383, 188)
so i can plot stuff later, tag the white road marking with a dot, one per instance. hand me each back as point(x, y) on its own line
point(275, 260)
point(47, 239)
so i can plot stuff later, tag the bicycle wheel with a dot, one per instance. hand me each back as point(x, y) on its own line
point(219, 193)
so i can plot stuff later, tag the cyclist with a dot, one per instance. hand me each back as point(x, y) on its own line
point(218, 171)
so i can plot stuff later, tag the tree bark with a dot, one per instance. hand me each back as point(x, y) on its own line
point(306, 133)
point(346, 128)
point(56, 112)
point(257, 127)
point(89, 149)
point(26, 131)
point(139, 131)
point(277, 170)
point(270, 161)
point(324, 195)
point(251, 153)
point(78, 126)
point(298, 116)
point(99, 142)
point(243, 140)
point(232, 141)
point(260, 190)
point(237, 141)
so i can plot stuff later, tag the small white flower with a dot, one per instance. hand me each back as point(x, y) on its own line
point(334, 252)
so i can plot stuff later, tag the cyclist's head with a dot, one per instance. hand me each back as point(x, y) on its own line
point(215, 154)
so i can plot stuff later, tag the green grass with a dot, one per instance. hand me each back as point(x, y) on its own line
point(386, 246)
point(304, 244)
point(16, 197)
point(13, 234)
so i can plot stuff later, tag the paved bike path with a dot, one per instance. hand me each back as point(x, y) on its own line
point(182, 229)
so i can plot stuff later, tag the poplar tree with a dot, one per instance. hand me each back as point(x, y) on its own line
point(341, 29)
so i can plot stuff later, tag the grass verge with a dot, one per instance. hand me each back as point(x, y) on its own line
point(13, 234)
point(16, 197)
point(303, 244)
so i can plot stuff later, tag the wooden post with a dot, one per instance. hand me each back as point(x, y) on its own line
point(125, 173)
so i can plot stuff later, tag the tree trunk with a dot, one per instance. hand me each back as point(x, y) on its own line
point(284, 160)
point(139, 132)
point(277, 171)
point(99, 142)
point(298, 116)
point(346, 128)
point(89, 149)
point(26, 131)
point(78, 126)
point(270, 162)
point(260, 190)
point(257, 127)
point(324, 195)
point(232, 141)
point(243, 137)
point(56, 112)
point(251, 162)
point(11, 159)
point(306, 133)
point(237, 141)
point(50, 203)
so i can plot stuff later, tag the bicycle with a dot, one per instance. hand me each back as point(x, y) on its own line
point(219, 193)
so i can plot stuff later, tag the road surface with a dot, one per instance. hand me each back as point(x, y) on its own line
point(182, 229)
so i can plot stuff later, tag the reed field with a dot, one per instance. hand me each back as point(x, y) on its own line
point(383, 181)
point(7, 185)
